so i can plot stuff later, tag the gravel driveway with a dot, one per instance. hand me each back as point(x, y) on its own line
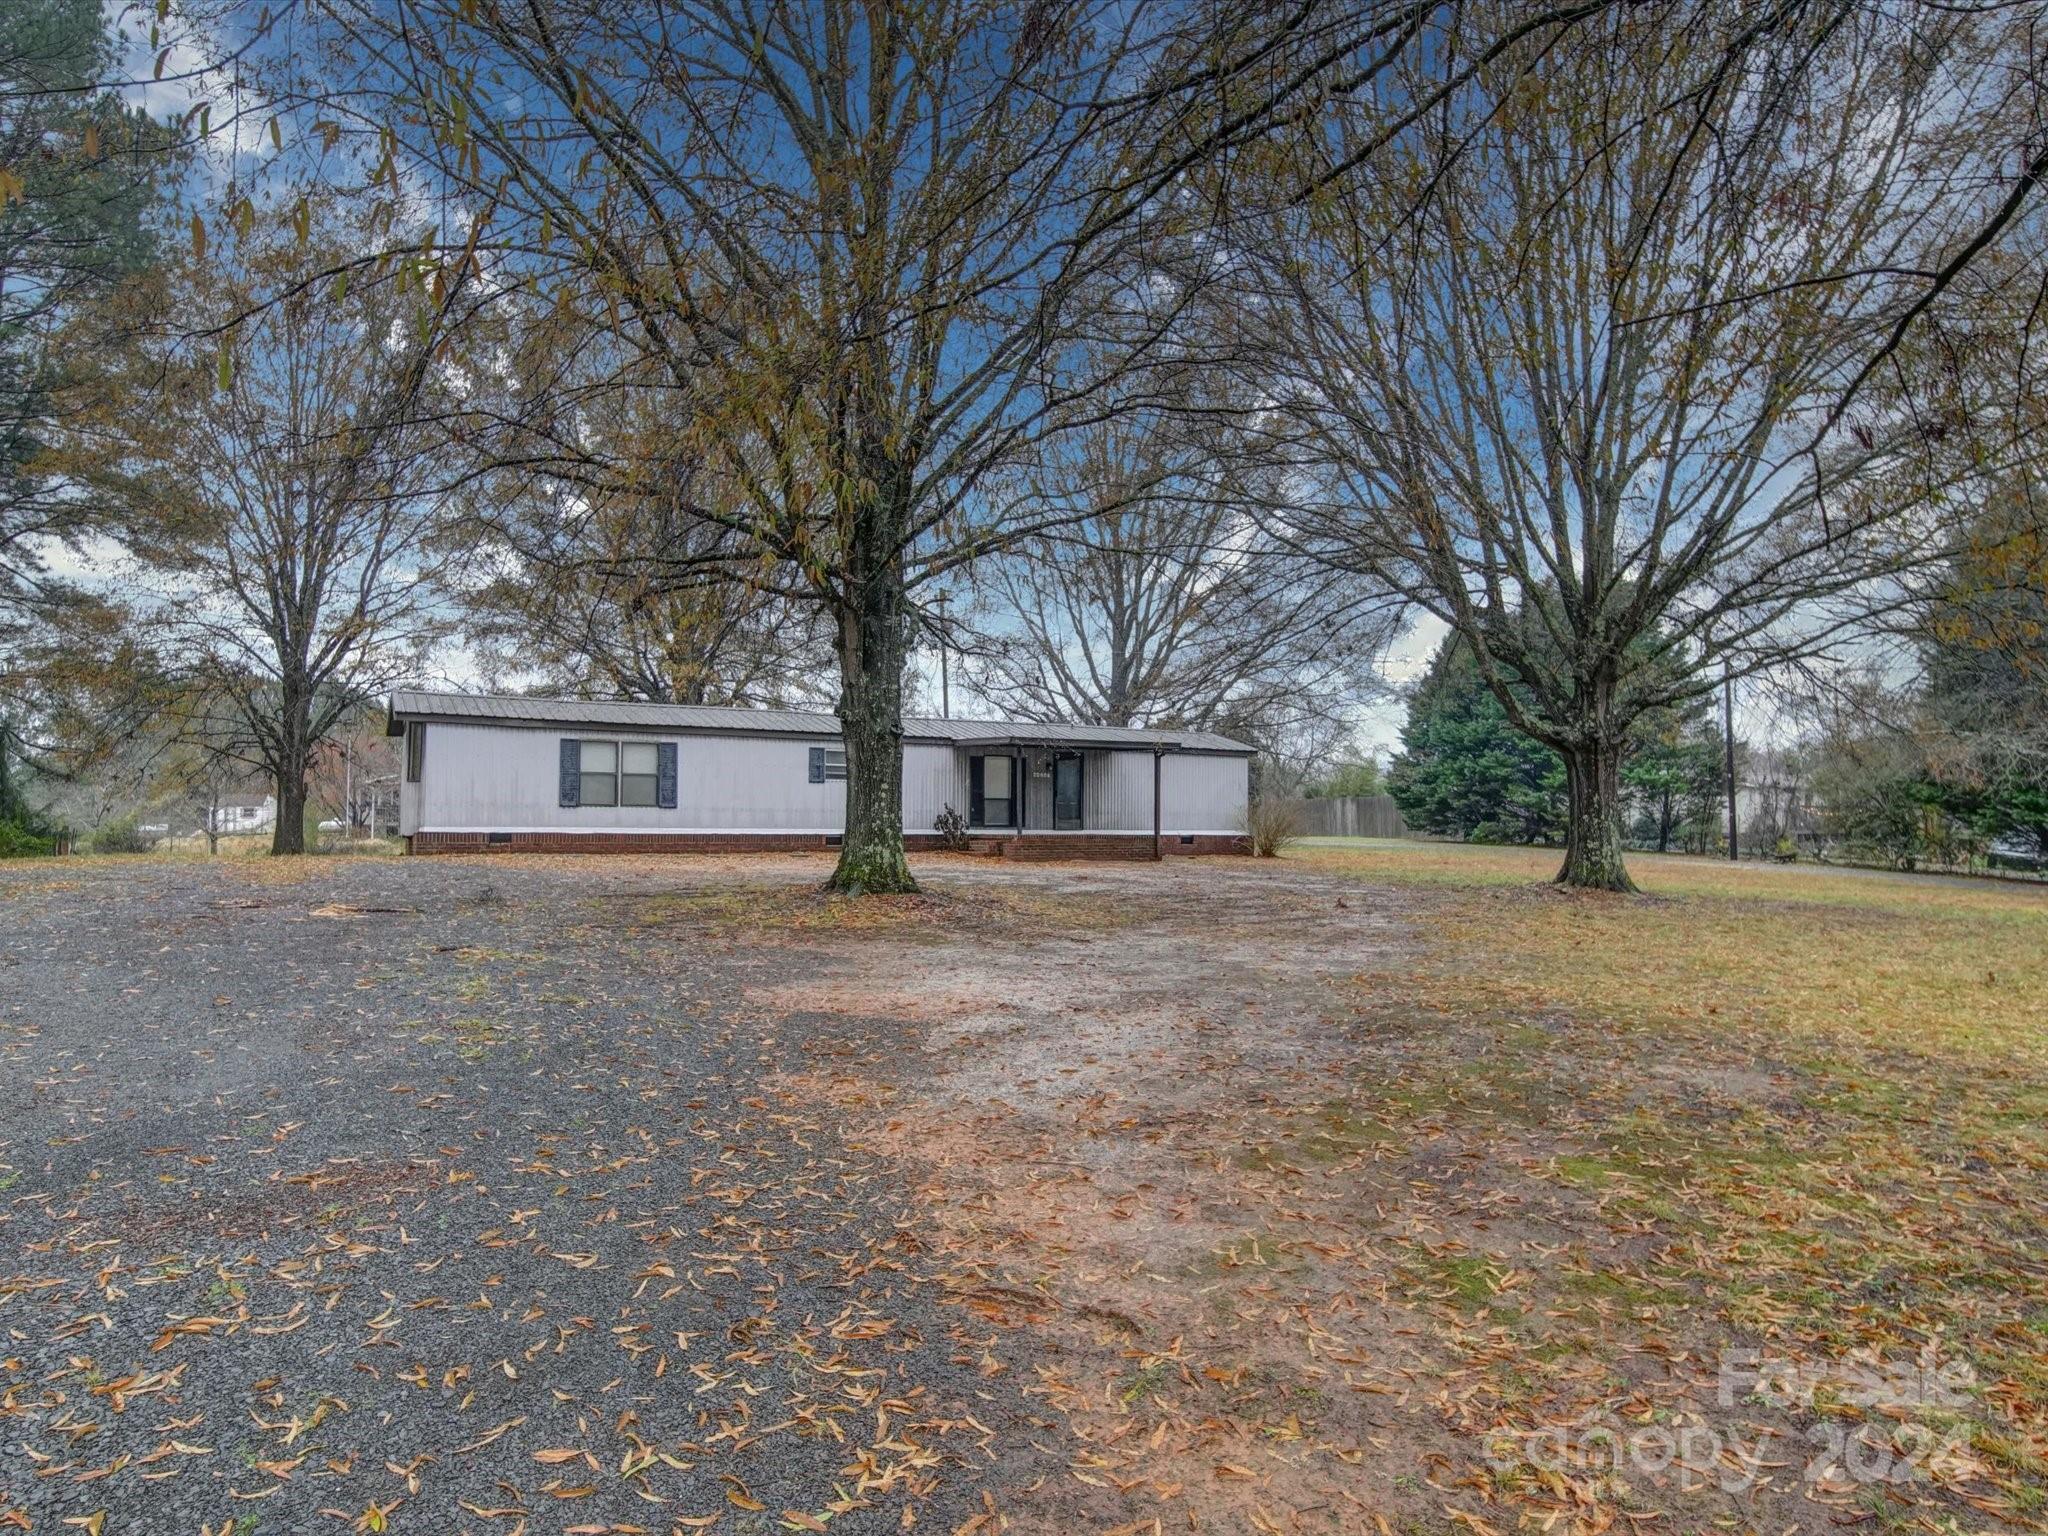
point(443, 1196)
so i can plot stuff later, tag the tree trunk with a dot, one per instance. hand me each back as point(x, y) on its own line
point(1593, 848)
point(873, 648)
point(294, 754)
point(6, 771)
point(289, 835)
point(1664, 824)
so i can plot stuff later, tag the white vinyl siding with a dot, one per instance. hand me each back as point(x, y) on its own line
point(1204, 794)
point(505, 778)
point(1118, 796)
point(1197, 793)
point(933, 778)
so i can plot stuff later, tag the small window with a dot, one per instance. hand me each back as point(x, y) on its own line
point(835, 762)
point(415, 750)
point(600, 772)
point(639, 768)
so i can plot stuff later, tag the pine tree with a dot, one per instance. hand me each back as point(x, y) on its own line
point(1464, 770)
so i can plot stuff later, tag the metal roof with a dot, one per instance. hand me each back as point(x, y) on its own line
point(639, 715)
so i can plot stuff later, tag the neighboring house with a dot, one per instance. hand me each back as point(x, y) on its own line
point(1773, 799)
point(232, 816)
point(563, 774)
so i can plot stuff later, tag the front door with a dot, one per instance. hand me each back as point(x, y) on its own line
point(1066, 794)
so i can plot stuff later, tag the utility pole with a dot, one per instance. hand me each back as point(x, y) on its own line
point(945, 683)
point(1728, 741)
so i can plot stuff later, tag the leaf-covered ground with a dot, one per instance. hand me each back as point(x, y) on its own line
point(528, 1195)
point(431, 1197)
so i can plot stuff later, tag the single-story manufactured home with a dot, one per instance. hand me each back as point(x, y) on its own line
point(570, 775)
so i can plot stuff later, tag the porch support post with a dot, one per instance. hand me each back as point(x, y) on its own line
point(1157, 758)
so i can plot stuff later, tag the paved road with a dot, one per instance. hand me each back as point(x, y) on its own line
point(471, 1218)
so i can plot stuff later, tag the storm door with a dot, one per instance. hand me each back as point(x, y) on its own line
point(1066, 793)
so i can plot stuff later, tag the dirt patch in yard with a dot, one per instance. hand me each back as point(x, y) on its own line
point(1108, 1146)
point(1309, 1239)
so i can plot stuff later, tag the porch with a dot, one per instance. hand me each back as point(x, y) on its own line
point(1025, 798)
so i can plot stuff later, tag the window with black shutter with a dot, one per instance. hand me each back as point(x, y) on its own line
point(639, 775)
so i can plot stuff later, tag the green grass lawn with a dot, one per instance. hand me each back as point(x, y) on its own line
point(1820, 1097)
point(1933, 965)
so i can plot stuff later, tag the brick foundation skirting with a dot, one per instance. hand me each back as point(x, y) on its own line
point(615, 842)
point(1209, 842)
point(1032, 847)
point(1044, 846)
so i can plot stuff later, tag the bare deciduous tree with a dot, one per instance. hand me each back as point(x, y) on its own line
point(587, 566)
point(1584, 361)
point(622, 600)
point(291, 572)
point(1167, 600)
point(851, 239)
point(871, 247)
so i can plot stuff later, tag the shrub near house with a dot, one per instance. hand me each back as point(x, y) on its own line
point(124, 836)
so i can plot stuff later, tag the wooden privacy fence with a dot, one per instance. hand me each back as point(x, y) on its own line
point(1351, 816)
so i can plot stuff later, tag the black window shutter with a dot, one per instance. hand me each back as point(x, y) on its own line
point(572, 771)
point(974, 791)
point(665, 775)
point(817, 765)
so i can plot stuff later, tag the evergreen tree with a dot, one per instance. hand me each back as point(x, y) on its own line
point(1672, 769)
point(80, 176)
point(1464, 771)
point(79, 180)
point(1983, 644)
